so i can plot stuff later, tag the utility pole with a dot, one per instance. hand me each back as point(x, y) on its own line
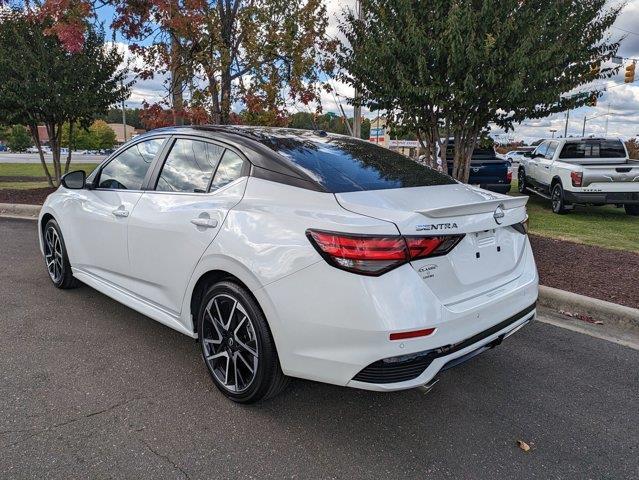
point(123, 113)
point(583, 130)
point(357, 110)
point(607, 116)
point(566, 127)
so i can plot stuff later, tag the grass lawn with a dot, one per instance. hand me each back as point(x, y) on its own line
point(607, 226)
point(9, 172)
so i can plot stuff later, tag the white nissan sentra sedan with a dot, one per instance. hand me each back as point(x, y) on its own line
point(291, 253)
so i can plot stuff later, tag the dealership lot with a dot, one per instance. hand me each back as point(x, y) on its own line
point(90, 388)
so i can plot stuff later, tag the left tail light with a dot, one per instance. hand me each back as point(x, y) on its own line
point(577, 178)
point(377, 254)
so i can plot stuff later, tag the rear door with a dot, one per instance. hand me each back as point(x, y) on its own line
point(180, 215)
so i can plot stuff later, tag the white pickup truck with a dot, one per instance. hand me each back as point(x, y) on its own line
point(587, 171)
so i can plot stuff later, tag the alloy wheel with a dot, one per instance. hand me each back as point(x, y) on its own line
point(521, 179)
point(229, 343)
point(556, 199)
point(53, 254)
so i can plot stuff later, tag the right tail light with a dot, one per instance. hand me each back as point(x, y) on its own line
point(377, 254)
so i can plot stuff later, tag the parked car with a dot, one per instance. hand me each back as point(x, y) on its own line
point(296, 253)
point(516, 155)
point(586, 171)
point(486, 169)
point(3, 148)
point(33, 149)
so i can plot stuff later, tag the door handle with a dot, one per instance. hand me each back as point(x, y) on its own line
point(204, 222)
point(120, 213)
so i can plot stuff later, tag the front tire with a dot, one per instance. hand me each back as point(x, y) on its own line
point(558, 202)
point(237, 345)
point(56, 258)
point(521, 181)
point(632, 210)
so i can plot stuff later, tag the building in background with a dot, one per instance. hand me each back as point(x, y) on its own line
point(131, 132)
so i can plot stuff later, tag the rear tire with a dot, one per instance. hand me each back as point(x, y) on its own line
point(521, 181)
point(632, 210)
point(56, 258)
point(558, 202)
point(237, 345)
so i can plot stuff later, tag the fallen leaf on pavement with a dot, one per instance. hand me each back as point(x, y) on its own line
point(523, 445)
point(581, 316)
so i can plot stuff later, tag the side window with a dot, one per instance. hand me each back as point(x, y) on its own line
point(552, 147)
point(189, 166)
point(230, 168)
point(128, 169)
point(541, 149)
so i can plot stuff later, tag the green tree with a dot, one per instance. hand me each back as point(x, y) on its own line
point(43, 83)
point(18, 138)
point(450, 68)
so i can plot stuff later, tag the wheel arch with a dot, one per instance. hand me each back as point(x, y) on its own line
point(556, 179)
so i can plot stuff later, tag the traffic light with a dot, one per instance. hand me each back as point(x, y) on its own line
point(592, 100)
point(630, 73)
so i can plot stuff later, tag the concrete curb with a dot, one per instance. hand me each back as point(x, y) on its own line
point(607, 312)
point(18, 210)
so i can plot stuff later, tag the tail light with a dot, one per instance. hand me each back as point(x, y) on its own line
point(377, 254)
point(509, 174)
point(577, 178)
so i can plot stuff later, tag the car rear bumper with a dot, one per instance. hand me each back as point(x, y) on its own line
point(330, 325)
point(602, 198)
point(419, 369)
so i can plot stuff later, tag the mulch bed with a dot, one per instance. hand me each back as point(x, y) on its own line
point(34, 196)
point(611, 275)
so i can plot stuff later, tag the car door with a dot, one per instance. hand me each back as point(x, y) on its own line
point(544, 164)
point(97, 218)
point(174, 222)
point(532, 165)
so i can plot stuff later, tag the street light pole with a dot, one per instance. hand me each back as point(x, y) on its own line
point(583, 130)
point(357, 109)
point(566, 127)
point(553, 130)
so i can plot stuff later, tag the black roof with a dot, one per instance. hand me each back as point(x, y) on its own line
point(252, 141)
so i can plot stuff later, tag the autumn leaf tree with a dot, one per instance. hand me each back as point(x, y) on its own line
point(263, 53)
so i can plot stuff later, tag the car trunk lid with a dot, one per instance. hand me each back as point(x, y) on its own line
point(489, 254)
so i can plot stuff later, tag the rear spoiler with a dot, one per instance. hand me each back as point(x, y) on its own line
point(487, 206)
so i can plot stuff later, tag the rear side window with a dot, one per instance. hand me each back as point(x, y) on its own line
point(343, 164)
point(128, 170)
point(230, 169)
point(189, 166)
point(593, 149)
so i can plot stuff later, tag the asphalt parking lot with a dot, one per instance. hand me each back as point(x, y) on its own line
point(92, 389)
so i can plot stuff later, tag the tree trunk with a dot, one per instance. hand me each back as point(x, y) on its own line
point(66, 166)
point(55, 150)
point(216, 116)
point(177, 82)
point(36, 138)
point(225, 90)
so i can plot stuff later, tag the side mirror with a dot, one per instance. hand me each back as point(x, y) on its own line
point(74, 180)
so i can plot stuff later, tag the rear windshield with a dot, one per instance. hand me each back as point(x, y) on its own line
point(343, 164)
point(478, 153)
point(593, 149)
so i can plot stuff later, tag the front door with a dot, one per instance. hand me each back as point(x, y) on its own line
point(172, 225)
point(97, 233)
point(544, 170)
